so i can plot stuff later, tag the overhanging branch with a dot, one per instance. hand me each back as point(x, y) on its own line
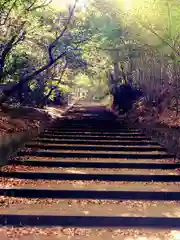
point(52, 45)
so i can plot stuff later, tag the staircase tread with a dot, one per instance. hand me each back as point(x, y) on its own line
point(91, 185)
point(96, 160)
point(99, 171)
point(92, 208)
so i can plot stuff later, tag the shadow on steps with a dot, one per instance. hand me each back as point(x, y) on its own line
point(89, 221)
point(92, 177)
point(91, 194)
point(95, 155)
point(104, 165)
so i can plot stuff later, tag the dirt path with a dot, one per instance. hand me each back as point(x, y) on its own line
point(90, 177)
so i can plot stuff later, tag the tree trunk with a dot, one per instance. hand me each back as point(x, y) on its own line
point(116, 71)
point(26, 79)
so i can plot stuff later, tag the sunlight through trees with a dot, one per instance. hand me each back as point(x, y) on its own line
point(49, 44)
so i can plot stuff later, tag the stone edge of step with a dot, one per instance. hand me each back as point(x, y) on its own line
point(10, 143)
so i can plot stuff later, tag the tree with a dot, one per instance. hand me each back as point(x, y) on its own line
point(61, 45)
point(145, 49)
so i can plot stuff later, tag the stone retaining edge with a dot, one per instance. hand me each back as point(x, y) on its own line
point(166, 137)
point(10, 143)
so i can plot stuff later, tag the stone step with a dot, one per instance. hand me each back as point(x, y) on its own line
point(104, 142)
point(97, 191)
point(76, 136)
point(88, 133)
point(56, 233)
point(93, 171)
point(92, 130)
point(95, 147)
point(109, 208)
point(88, 221)
point(96, 176)
point(90, 154)
point(118, 164)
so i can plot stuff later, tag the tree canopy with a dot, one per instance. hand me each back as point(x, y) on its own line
point(94, 45)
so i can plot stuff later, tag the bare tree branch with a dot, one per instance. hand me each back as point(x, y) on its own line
point(29, 77)
point(52, 45)
point(8, 13)
point(60, 78)
point(32, 6)
point(151, 29)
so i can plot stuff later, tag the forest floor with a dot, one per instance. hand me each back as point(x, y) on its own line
point(170, 118)
point(142, 113)
point(19, 119)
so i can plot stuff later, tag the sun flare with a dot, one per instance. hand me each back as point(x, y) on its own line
point(65, 3)
point(128, 4)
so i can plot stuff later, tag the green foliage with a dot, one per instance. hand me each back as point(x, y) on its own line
point(27, 30)
point(126, 37)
